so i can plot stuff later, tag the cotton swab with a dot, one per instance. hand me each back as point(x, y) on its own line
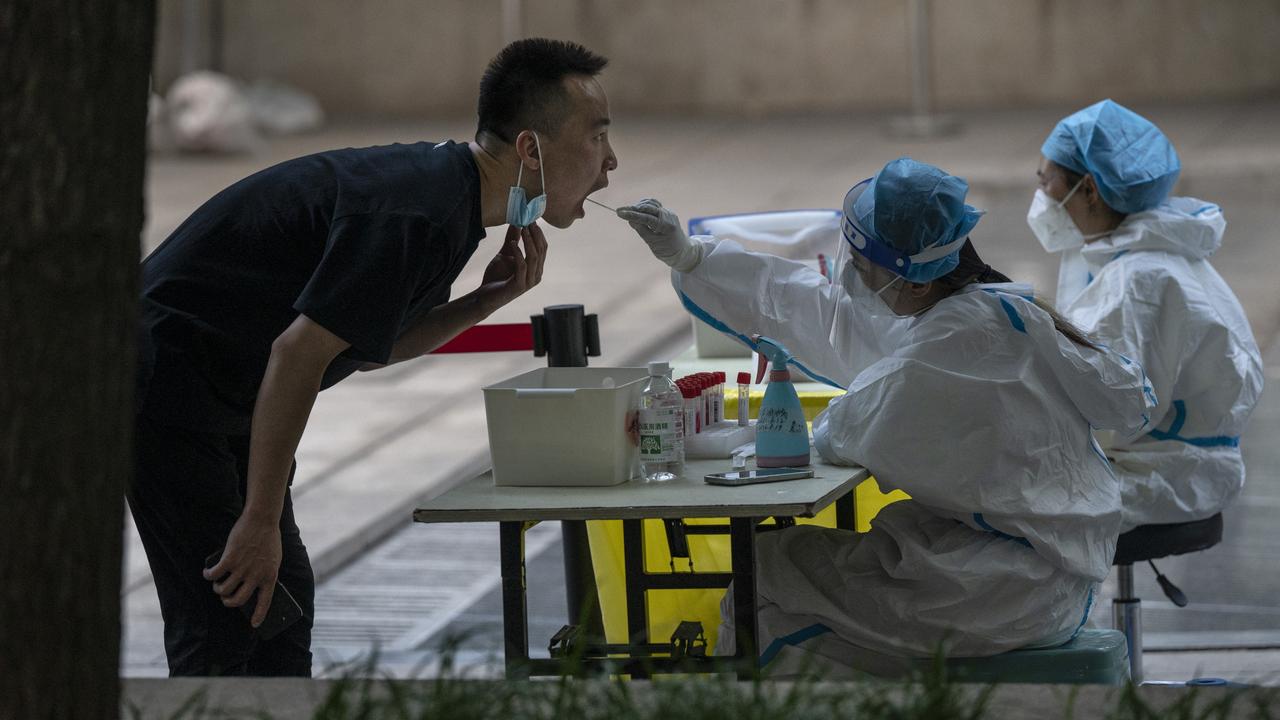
point(606, 207)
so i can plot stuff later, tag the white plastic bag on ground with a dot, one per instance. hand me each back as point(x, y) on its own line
point(208, 112)
point(280, 109)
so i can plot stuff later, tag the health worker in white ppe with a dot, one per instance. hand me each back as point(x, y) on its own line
point(1135, 274)
point(961, 391)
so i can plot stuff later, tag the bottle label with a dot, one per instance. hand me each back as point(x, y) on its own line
point(658, 427)
point(780, 420)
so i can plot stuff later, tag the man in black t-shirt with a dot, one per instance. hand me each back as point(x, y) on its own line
point(295, 277)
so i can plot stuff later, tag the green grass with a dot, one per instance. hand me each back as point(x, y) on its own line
point(359, 693)
point(706, 697)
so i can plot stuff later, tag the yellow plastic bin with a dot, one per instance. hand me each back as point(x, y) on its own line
point(708, 553)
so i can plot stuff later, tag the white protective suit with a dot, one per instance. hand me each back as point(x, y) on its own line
point(981, 411)
point(1149, 292)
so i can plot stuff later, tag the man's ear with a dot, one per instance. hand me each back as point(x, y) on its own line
point(527, 150)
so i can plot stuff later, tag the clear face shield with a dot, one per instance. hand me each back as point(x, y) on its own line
point(869, 289)
point(862, 324)
point(874, 304)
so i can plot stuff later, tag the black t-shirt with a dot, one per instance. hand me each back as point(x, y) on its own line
point(362, 241)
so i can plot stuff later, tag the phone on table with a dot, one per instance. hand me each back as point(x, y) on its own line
point(283, 611)
point(761, 475)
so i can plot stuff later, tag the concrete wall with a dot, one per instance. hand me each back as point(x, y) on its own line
point(416, 57)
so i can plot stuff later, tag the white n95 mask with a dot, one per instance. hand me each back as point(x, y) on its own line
point(520, 211)
point(1051, 224)
point(871, 301)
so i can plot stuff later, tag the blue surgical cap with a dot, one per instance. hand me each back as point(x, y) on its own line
point(910, 206)
point(1132, 162)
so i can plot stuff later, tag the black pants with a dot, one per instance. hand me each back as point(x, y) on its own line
point(187, 493)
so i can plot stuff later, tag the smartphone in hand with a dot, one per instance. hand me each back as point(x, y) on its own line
point(283, 611)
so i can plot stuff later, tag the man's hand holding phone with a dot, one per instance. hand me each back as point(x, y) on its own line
point(244, 575)
point(247, 567)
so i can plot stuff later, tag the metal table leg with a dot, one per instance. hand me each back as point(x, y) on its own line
point(847, 511)
point(742, 532)
point(580, 579)
point(515, 609)
point(637, 600)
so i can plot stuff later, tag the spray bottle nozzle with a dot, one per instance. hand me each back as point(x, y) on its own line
point(774, 350)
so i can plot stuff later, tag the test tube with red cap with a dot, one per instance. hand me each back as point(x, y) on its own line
point(717, 397)
point(704, 392)
point(692, 423)
point(744, 399)
point(695, 402)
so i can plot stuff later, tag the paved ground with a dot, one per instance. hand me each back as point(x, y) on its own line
point(381, 442)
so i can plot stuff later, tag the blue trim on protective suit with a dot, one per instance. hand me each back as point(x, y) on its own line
point(715, 323)
point(1014, 319)
point(1147, 390)
point(982, 523)
point(1179, 418)
point(1088, 607)
point(1205, 209)
point(1097, 450)
point(794, 639)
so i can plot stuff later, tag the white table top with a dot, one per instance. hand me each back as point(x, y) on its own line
point(478, 500)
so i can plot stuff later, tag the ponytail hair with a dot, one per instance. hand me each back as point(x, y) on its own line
point(973, 270)
point(1064, 326)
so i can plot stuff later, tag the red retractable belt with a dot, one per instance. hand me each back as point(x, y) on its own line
point(509, 337)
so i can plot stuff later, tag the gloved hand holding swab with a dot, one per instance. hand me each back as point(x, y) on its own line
point(661, 229)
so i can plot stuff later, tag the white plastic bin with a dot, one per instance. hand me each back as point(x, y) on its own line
point(792, 234)
point(563, 426)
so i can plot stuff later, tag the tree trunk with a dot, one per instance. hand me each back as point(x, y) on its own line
point(73, 101)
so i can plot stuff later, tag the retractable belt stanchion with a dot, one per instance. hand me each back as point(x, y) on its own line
point(568, 336)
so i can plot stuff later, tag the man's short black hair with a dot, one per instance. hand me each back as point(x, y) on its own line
point(523, 86)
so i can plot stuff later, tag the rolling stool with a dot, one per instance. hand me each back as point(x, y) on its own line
point(1150, 542)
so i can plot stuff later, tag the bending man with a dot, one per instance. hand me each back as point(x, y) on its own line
point(295, 277)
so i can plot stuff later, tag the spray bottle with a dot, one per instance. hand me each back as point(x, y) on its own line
point(782, 437)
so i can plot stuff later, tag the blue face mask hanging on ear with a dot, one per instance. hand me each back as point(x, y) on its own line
point(522, 212)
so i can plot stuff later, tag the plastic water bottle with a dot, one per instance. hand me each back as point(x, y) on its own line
point(661, 426)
